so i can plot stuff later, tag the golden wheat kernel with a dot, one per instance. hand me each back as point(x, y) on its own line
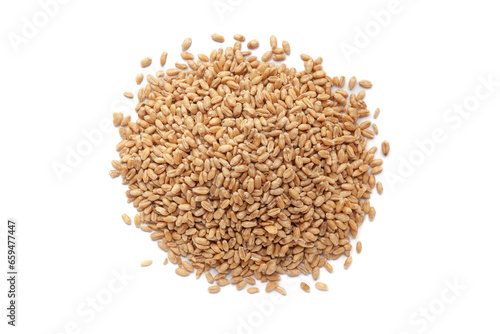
point(286, 47)
point(365, 83)
point(321, 286)
point(218, 38)
point(186, 43)
point(213, 289)
point(239, 37)
point(305, 287)
point(253, 290)
point(163, 58)
point(253, 44)
point(146, 263)
point(126, 219)
point(146, 62)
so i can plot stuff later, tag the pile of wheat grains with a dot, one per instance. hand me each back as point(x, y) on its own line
point(249, 167)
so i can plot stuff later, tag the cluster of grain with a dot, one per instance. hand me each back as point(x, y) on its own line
point(249, 167)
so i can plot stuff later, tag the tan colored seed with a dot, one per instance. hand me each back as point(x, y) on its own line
point(365, 83)
point(165, 261)
point(377, 112)
point(128, 94)
point(380, 187)
point(137, 220)
point(218, 38)
point(348, 262)
point(266, 56)
point(126, 219)
point(273, 41)
point(186, 44)
point(163, 58)
point(182, 271)
point(281, 290)
point(139, 78)
point(239, 37)
point(359, 247)
point(253, 290)
point(305, 287)
point(209, 277)
point(371, 213)
point(187, 55)
point(146, 263)
point(117, 118)
point(213, 289)
point(321, 286)
point(146, 62)
point(328, 267)
point(279, 57)
point(271, 286)
point(385, 147)
point(315, 273)
point(253, 44)
point(286, 47)
point(352, 82)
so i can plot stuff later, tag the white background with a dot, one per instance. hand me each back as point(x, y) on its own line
point(436, 226)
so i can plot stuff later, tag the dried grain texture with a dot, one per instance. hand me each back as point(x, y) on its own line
point(359, 247)
point(385, 147)
point(146, 263)
point(186, 43)
point(321, 286)
point(218, 38)
point(253, 290)
point(248, 168)
point(145, 62)
point(126, 219)
point(239, 37)
point(305, 287)
point(214, 289)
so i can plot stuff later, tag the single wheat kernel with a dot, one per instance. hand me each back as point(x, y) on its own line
point(321, 286)
point(305, 287)
point(165, 261)
point(328, 267)
point(139, 78)
point(271, 286)
point(213, 289)
point(182, 271)
point(385, 147)
point(146, 62)
point(163, 58)
point(253, 290)
point(218, 38)
point(239, 37)
point(380, 187)
point(146, 263)
point(286, 47)
point(126, 219)
point(137, 220)
point(365, 83)
point(273, 41)
point(253, 44)
point(281, 290)
point(128, 94)
point(377, 112)
point(348, 262)
point(352, 82)
point(359, 247)
point(186, 43)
